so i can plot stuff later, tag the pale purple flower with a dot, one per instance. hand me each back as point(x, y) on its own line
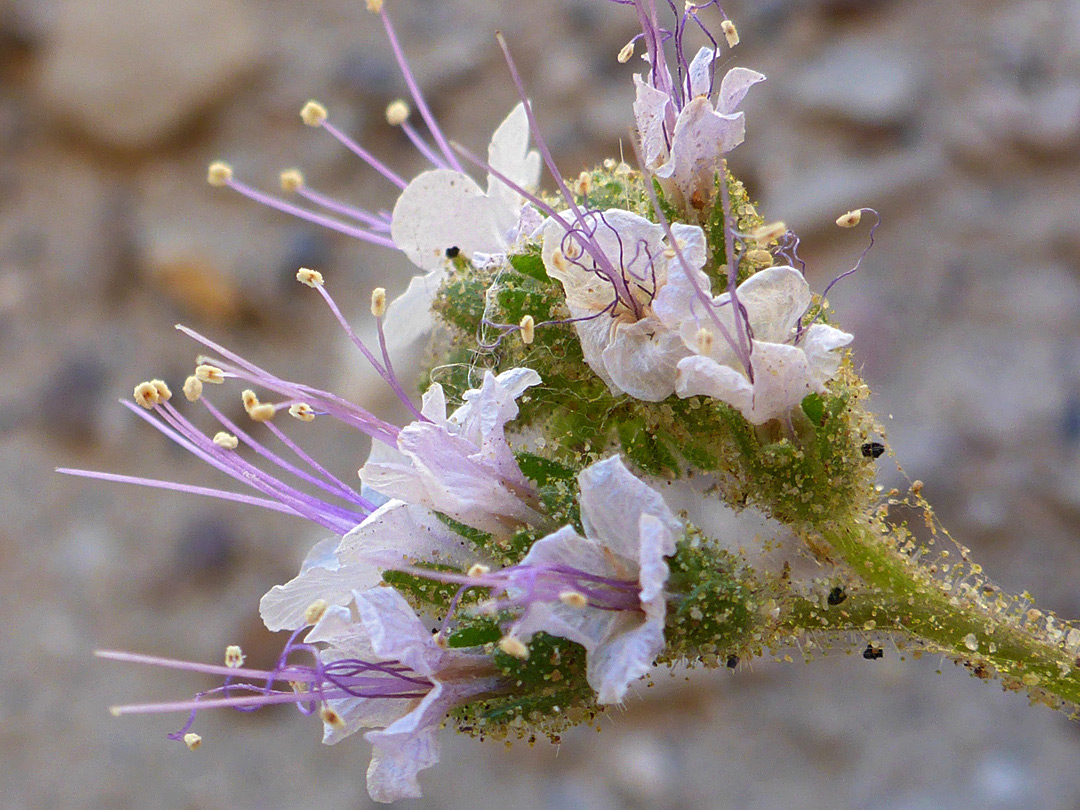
point(622, 340)
point(787, 364)
point(463, 465)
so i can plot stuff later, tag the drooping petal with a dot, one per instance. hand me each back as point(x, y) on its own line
point(651, 109)
point(396, 633)
point(510, 156)
point(820, 343)
point(700, 72)
point(701, 138)
point(613, 501)
point(642, 358)
point(782, 380)
point(734, 86)
point(624, 658)
point(703, 376)
point(775, 299)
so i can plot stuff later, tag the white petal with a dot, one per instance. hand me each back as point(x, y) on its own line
point(700, 72)
point(398, 534)
point(283, 606)
point(775, 299)
point(349, 638)
point(642, 357)
point(705, 377)
point(624, 658)
point(612, 502)
point(657, 542)
point(701, 138)
point(396, 633)
point(651, 110)
point(819, 344)
point(509, 155)
point(404, 748)
point(441, 209)
point(734, 87)
point(782, 379)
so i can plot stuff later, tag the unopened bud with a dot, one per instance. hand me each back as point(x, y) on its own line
point(209, 374)
point(292, 180)
point(626, 52)
point(302, 411)
point(313, 113)
point(146, 394)
point(226, 440)
point(514, 647)
point(769, 232)
point(397, 112)
point(528, 329)
point(850, 219)
point(192, 740)
point(312, 278)
point(378, 302)
point(192, 388)
point(731, 33)
point(315, 611)
point(219, 174)
point(234, 656)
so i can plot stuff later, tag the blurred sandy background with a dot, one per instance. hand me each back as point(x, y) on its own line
point(958, 119)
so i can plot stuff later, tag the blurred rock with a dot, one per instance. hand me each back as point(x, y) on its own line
point(126, 73)
point(862, 81)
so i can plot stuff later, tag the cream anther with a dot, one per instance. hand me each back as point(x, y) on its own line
point(626, 52)
point(731, 33)
point(374, 6)
point(528, 329)
point(315, 611)
point(192, 740)
point(206, 373)
point(146, 394)
point(262, 413)
point(302, 411)
point(292, 180)
point(234, 656)
point(397, 112)
point(769, 232)
point(192, 388)
point(312, 278)
point(584, 184)
point(514, 647)
point(573, 599)
point(313, 113)
point(226, 440)
point(850, 219)
point(759, 257)
point(326, 714)
point(219, 174)
point(378, 302)
point(478, 570)
point(249, 398)
point(163, 392)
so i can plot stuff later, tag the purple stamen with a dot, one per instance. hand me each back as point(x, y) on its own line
point(309, 216)
point(362, 153)
point(414, 91)
point(422, 147)
point(375, 222)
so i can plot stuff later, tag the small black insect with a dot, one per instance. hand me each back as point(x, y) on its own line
point(452, 253)
point(836, 596)
point(873, 652)
point(732, 661)
point(873, 449)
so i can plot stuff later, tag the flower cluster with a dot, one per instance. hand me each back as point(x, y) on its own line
point(590, 367)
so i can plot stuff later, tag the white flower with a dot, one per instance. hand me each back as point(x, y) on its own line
point(699, 134)
point(785, 372)
point(632, 351)
point(629, 530)
point(463, 465)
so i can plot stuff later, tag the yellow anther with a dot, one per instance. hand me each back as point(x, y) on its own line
point(315, 611)
point(326, 714)
point(163, 392)
point(513, 646)
point(573, 599)
point(234, 656)
point(478, 570)
point(302, 411)
point(192, 388)
point(262, 413)
point(312, 278)
point(209, 374)
point(759, 257)
point(378, 302)
point(397, 112)
point(226, 440)
point(769, 232)
point(528, 329)
point(584, 184)
point(850, 219)
point(192, 740)
point(314, 113)
point(219, 174)
point(704, 340)
point(146, 394)
point(626, 52)
point(374, 6)
point(731, 33)
point(292, 180)
point(609, 163)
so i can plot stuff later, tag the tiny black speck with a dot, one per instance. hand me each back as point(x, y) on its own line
point(836, 596)
point(452, 253)
point(870, 449)
point(732, 661)
point(872, 653)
